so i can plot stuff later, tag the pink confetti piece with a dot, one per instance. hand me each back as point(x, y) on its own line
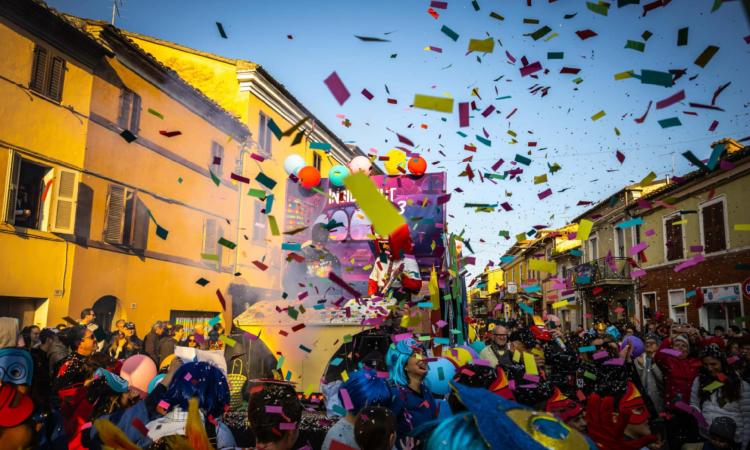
point(544, 194)
point(671, 100)
point(671, 352)
point(650, 232)
point(367, 94)
point(463, 114)
point(615, 362)
point(601, 354)
point(337, 88)
point(713, 126)
point(483, 362)
point(188, 377)
point(162, 404)
point(532, 378)
point(488, 111)
point(441, 323)
point(637, 248)
point(637, 273)
point(273, 409)
point(287, 426)
point(346, 400)
point(695, 260)
point(382, 374)
point(401, 337)
point(530, 69)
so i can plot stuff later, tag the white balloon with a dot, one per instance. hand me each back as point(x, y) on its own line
point(293, 163)
point(360, 164)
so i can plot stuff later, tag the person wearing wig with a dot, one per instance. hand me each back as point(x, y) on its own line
point(719, 392)
point(492, 422)
point(209, 385)
point(363, 388)
point(274, 431)
point(395, 267)
point(413, 402)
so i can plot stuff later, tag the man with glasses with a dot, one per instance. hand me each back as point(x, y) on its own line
point(497, 351)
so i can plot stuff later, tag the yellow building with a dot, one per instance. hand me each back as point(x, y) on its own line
point(46, 80)
point(104, 205)
point(247, 90)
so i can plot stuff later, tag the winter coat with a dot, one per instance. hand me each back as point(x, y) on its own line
point(652, 380)
point(151, 346)
point(738, 410)
point(678, 374)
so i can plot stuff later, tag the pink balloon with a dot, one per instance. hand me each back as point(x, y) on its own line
point(360, 164)
point(138, 370)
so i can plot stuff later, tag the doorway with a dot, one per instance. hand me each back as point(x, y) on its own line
point(104, 308)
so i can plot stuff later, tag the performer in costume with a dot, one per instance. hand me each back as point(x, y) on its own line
point(395, 268)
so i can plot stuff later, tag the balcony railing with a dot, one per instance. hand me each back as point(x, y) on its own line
point(603, 271)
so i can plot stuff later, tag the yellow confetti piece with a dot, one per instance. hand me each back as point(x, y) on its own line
point(543, 266)
point(540, 179)
point(742, 227)
point(274, 226)
point(482, 45)
point(713, 386)
point(681, 305)
point(228, 341)
point(648, 179)
point(624, 75)
point(559, 304)
point(344, 375)
point(551, 36)
point(680, 222)
point(538, 321)
point(381, 212)
point(433, 103)
point(516, 356)
point(309, 389)
point(584, 229)
point(537, 352)
point(424, 202)
point(512, 133)
point(367, 267)
point(530, 363)
point(598, 116)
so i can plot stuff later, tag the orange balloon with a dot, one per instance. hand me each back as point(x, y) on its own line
point(309, 177)
point(417, 165)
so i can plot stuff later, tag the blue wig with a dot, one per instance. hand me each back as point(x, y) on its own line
point(202, 381)
point(366, 389)
point(459, 431)
point(396, 359)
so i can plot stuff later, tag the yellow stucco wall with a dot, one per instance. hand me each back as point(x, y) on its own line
point(37, 264)
point(735, 194)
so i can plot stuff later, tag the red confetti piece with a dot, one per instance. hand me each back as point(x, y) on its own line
point(260, 265)
point(170, 133)
point(713, 126)
point(221, 300)
point(585, 34)
point(643, 117)
point(463, 114)
point(368, 95)
point(671, 100)
point(239, 178)
point(620, 156)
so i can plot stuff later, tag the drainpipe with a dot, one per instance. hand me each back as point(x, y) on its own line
point(243, 152)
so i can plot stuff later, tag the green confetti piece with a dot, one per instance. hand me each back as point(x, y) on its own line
point(635, 45)
point(226, 243)
point(209, 257)
point(577, 80)
point(214, 178)
point(179, 180)
point(522, 160)
point(450, 33)
point(646, 35)
point(555, 55)
point(475, 5)
point(202, 282)
point(531, 21)
point(598, 116)
point(265, 180)
point(540, 33)
point(347, 338)
point(589, 375)
point(682, 37)
point(599, 8)
point(280, 362)
point(161, 232)
point(484, 141)
point(326, 147)
point(496, 16)
point(274, 226)
point(258, 193)
point(670, 122)
point(275, 129)
point(441, 373)
point(293, 313)
point(156, 113)
point(658, 78)
point(706, 56)
point(305, 349)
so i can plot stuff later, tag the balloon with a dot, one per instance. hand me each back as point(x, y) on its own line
point(138, 371)
point(432, 379)
point(337, 174)
point(636, 345)
point(417, 165)
point(478, 346)
point(309, 177)
point(471, 351)
point(360, 164)
point(459, 356)
point(293, 163)
point(396, 159)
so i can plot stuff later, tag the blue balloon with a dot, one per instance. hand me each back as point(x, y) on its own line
point(441, 367)
point(337, 174)
point(478, 346)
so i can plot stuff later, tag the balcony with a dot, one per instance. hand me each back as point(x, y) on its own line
point(615, 271)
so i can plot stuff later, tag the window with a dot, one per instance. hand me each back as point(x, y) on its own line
point(673, 244)
point(317, 160)
point(713, 225)
point(593, 248)
point(41, 197)
point(217, 158)
point(129, 116)
point(619, 242)
point(636, 238)
point(360, 227)
point(339, 233)
point(47, 74)
point(520, 273)
point(264, 135)
point(127, 219)
point(648, 300)
point(677, 307)
point(260, 226)
point(212, 231)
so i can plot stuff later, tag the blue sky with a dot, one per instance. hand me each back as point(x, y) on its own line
point(323, 41)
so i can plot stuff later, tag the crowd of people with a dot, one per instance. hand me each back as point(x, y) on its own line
point(666, 386)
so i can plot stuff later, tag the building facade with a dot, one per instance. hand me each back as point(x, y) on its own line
point(697, 254)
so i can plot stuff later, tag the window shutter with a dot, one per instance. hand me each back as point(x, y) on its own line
point(39, 70)
point(210, 237)
point(135, 114)
point(714, 237)
point(64, 201)
point(141, 223)
point(217, 151)
point(15, 173)
point(126, 97)
point(262, 131)
point(115, 214)
point(674, 240)
point(57, 75)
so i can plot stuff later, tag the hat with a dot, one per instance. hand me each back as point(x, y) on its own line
point(130, 326)
point(681, 337)
point(724, 428)
point(507, 425)
point(633, 403)
point(562, 406)
point(652, 337)
point(15, 407)
point(115, 382)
